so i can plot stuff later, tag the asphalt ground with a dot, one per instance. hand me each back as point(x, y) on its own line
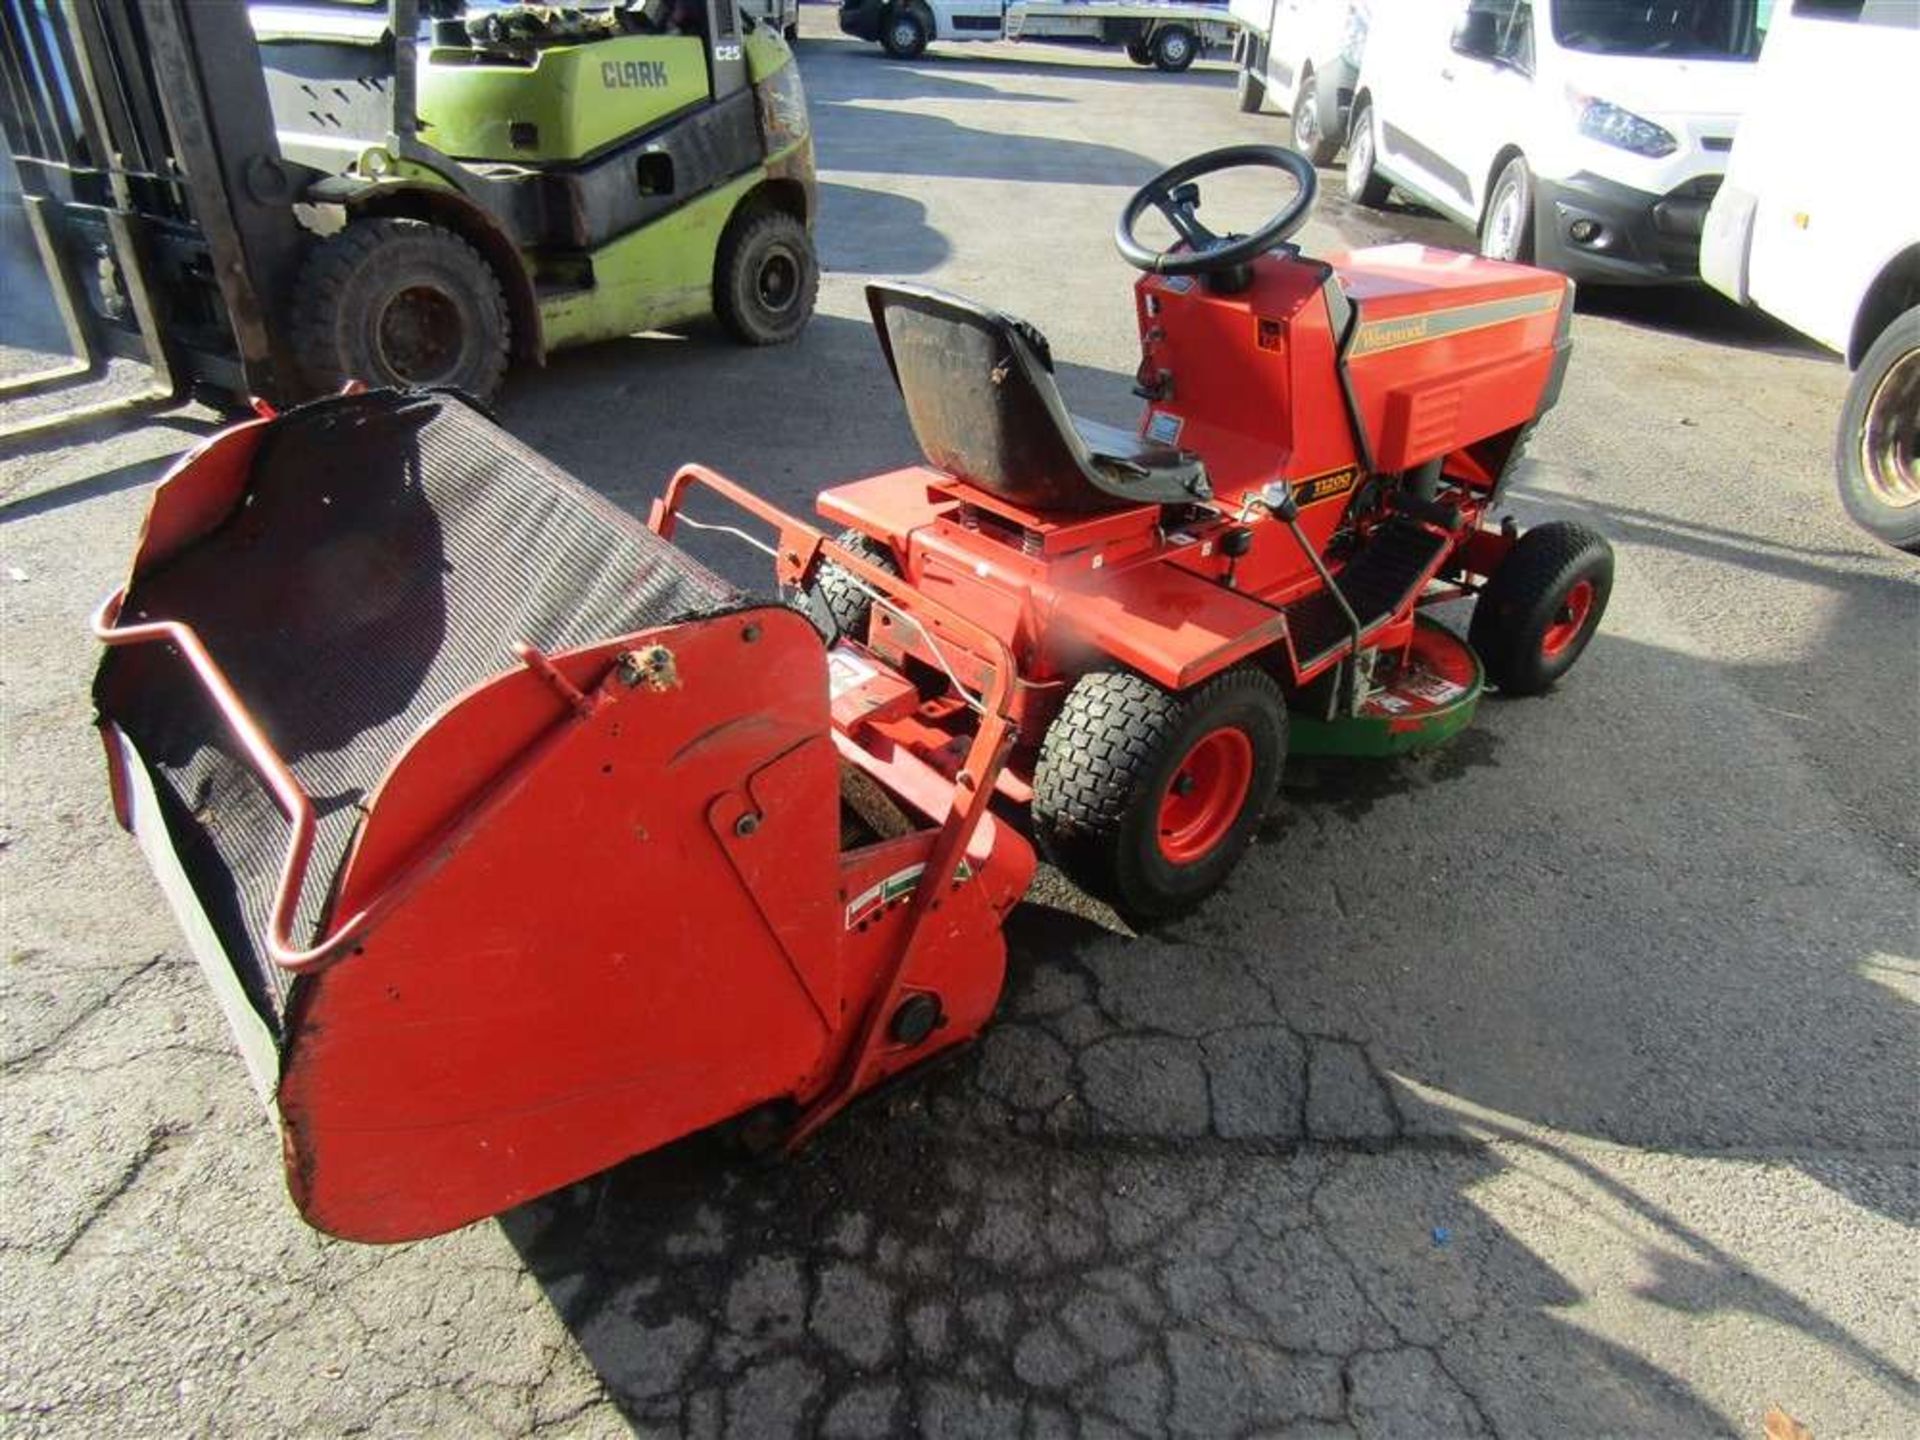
point(1561, 1083)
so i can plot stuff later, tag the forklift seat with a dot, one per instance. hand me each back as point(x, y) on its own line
point(981, 398)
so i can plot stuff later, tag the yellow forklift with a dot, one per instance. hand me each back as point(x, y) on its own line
point(272, 200)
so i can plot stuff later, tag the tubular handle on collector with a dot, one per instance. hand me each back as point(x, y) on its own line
point(267, 764)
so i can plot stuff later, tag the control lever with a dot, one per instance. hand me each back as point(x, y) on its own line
point(1277, 499)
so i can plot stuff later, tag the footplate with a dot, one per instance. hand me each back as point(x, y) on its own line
point(1428, 699)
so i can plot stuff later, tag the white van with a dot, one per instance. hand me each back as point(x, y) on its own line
point(1304, 56)
point(1584, 135)
point(1827, 237)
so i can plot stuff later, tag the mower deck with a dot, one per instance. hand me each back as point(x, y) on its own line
point(1426, 699)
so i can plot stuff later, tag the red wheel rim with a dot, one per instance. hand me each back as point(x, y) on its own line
point(1206, 794)
point(1568, 621)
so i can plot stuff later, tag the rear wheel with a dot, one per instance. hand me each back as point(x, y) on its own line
point(1250, 91)
point(1148, 799)
point(1506, 229)
point(838, 604)
point(1542, 606)
point(765, 277)
point(1365, 185)
point(403, 303)
point(1308, 138)
point(1138, 52)
point(1879, 440)
point(904, 33)
point(1174, 49)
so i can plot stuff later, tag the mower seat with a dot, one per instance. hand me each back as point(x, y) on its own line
point(981, 398)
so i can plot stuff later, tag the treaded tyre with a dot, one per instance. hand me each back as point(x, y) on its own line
point(1506, 229)
point(1365, 184)
point(400, 302)
point(1542, 606)
point(765, 277)
point(1877, 450)
point(1146, 798)
point(1308, 138)
point(1249, 91)
point(1174, 49)
point(837, 605)
point(904, 34)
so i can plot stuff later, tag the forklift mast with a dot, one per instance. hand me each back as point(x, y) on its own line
point(155, 192)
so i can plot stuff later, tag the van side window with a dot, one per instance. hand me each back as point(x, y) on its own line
point(1498, 30)
point(1894, 14)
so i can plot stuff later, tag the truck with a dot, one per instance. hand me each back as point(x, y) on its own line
point(1166, 34)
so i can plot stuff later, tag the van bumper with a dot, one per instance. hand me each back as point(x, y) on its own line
point(861, 19)
point(1601, 231)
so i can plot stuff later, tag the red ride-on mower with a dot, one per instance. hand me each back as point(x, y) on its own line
point(1322, 447)
point(515, 842)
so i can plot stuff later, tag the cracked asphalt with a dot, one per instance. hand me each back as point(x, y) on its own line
point(1561, 1083)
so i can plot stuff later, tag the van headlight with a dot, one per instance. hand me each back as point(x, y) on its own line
point(1609, 124)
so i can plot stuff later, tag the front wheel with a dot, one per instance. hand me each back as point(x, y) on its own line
point(1147, 798)
point(1542, 606)
point(1308, 138)
point(765, 277)
point(1174, 49)
point(1249, 91)
point(905, 34)
point(1365, 184)
point(403, 303)
point(1506, 230)
point(1879, 442)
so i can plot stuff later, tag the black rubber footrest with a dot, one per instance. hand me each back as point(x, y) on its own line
point(1398, 558)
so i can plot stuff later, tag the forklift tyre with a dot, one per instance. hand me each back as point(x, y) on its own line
point(1542, 606)
point(1174, 49)
point(838, 606)
point(1146, 798)
point(904, 33)
point(765, 277)
point(402, 303)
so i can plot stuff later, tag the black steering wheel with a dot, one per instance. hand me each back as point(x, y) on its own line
point(1175, 195)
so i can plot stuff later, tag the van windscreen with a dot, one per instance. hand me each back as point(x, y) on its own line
point(1671, 29)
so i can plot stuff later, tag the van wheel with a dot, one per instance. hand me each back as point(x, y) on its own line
point(1250, 91)
point(765, 277)
point(1877, 453)
point(905, 34)
point(1365, 185)
point(1506, 230)
point(1308, 138)
point(403, 303)
point(1174, 49)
